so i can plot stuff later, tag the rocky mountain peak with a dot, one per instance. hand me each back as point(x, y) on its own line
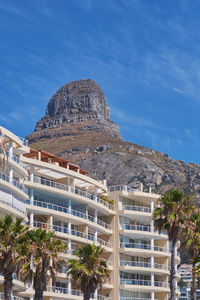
point(75, 107)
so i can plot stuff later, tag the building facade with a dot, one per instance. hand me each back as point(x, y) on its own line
point(50, 192)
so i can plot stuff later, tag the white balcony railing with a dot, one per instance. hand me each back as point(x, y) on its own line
point(133, 298)
point(143, 246)
point(73, 190)
point(73, 292)
point(63, 229)
point(143, 282)
point(15, 158)
point(137, 208)
point(141, 228)
point(143, 265)
point(13, 297)
point(14, 182)
point(69, 211)
point(24, 141)
point(118, 188)
point(12, 205)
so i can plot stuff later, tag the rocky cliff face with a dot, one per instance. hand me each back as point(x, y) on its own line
point(77, 126)
point(76, 107)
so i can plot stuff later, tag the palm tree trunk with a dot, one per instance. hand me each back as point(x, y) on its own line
point(38, 290)
point(86, 296)
point(8, 286)
point(173, 273)
point(193, 285)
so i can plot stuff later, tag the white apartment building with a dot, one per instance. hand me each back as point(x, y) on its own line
point(52, 193)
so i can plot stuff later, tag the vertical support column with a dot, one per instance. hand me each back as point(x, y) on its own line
point(69, 206)
point(152, 210)
point(86, 211)
point(96, 294)
point(69, 184)
point(95, 220)
point(10, 174)
point(69, 226)
point(69, 286)
point(152, 279)
point(31, 219)
point(32, 197)
point(51, 222)
point(152, 295)
point(10, 151)
point(32, 174)
point(95, 215)
point(72, 185)
point(39, 155)
point(69, 245)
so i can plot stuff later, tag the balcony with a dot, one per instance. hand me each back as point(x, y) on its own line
point(24, 141)
point(12, 205)
point(133, 298)
point(55, 289)
point(68, 211)
point(137, 208)
point(141, 228)
point(143, 265)
point(14, 183)
point(15, 158)
point(13, 297)
point(143, 246)
point(62, 229)
point(119, 188)
point(73, 190)
point(144, 282)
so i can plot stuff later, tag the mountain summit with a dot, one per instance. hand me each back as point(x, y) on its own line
point(77, 126)
point(76, 107)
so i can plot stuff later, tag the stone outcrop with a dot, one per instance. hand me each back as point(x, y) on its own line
point(76, 107)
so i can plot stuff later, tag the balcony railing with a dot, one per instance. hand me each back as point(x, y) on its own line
point(137, 208)
point(68, 211)
point(56, 289)
point(14, 182)
point(118, 188)
point(140, 228)
point(143, 282)
point(133, 298)
point(143, 246)
point(12, 205)
point(13, 297)
point(72, 190)
point(73, 292)
point(63, 229)
point(143, 265)
point(24, 141)
point(17, 160)
point(136, 227)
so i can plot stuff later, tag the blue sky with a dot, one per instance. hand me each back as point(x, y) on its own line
point(145, 54)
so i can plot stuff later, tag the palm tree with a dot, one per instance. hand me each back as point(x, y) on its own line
point(89, 269)
point(40, 257)
point(11, 234)
point(172, 211)
point(191, 239)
